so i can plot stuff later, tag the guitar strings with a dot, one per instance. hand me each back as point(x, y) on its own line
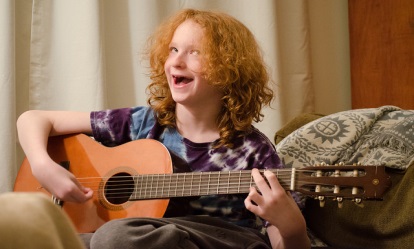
point(176, 185)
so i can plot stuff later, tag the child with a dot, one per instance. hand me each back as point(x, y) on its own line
point(208, 84)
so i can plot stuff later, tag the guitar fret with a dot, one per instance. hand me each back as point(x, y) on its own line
point(169, 185)
point(157, 185)
point(218, 182)
point(208, 183)
point(141, 188)
point(146, 186)
point(152, 181)
point(191, 186)
point(203, 179)
point(159, 188)
point(228, 182)
point(151, 188)
point(163, 185)
point(251, 181)
point(182, 192)
point(176, 185)
point(238, 187)
point(137, 181)
point(199, 184)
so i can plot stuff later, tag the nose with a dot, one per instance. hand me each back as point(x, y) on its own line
point(178, 60)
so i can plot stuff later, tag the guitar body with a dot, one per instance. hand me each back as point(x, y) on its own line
point(95, 166)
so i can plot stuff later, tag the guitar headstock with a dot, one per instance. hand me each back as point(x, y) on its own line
point(356, 182)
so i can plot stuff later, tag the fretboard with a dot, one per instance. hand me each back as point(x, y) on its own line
point(159, 186)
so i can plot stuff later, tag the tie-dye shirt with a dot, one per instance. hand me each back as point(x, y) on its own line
point(115, 127)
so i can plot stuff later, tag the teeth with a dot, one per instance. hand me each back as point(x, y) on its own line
point(183, 80)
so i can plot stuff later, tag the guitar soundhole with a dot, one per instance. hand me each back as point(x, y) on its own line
point(119, 188)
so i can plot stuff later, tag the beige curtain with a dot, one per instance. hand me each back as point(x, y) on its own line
point(7, 95)
point(85, 55)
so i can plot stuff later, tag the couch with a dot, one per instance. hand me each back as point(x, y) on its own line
point(374, 136)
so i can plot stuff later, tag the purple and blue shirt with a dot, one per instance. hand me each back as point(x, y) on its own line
point(254, 150)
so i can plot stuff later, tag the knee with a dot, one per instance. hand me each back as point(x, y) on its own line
point(139, 233)
point(109, 235)
point(20, 206)
point(32, 219)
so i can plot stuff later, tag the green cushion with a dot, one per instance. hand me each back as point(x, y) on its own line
point(379, 224)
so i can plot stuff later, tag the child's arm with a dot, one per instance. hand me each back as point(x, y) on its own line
point(34, 128)
point(287, 227)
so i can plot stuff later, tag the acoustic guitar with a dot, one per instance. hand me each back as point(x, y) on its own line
point(136, 180)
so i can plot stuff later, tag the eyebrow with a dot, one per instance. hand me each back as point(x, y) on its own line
point(190, 47)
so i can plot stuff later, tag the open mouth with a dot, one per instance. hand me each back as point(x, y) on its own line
point(181, 80)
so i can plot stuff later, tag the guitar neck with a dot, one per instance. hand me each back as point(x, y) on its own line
point(159, 186)
point(349, 182)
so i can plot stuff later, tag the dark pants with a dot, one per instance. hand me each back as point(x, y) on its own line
point(184, 232)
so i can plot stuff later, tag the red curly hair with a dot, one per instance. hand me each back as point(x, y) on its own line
point(233, 62)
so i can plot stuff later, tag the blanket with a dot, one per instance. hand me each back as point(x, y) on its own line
point(372, 136)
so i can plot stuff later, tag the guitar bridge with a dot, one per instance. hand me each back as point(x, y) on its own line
point(57, 202)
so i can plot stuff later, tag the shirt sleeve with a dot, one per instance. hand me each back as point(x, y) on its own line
point(117, 126)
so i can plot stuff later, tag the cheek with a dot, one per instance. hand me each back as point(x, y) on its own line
point(195, 64)
point(167, 68)
point(166, 63)
point(208, 88)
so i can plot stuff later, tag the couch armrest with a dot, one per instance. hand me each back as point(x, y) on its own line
point(294, 124)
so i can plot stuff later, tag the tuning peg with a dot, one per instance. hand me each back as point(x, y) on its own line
point(321, 201)
point(340, 201)
point(358, 202)
point(321, 164)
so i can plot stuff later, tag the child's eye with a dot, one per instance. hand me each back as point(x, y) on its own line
point(173, 49)
point(195, 52)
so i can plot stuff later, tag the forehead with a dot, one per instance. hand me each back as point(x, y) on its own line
point(188, 32)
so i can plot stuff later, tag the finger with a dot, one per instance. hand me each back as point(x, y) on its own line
point(273, 181)
point(88, 193)
point(260, 182)
point(253, 193)
point(251, 201)
point(255, 197)
point(80, 193)
point(80, 196)
point(83, 193)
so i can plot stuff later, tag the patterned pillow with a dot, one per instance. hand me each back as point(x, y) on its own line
point(374, 136)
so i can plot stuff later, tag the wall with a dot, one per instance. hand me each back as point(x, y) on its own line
point(330, 55)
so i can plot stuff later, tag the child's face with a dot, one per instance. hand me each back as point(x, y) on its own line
point(184, 68)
